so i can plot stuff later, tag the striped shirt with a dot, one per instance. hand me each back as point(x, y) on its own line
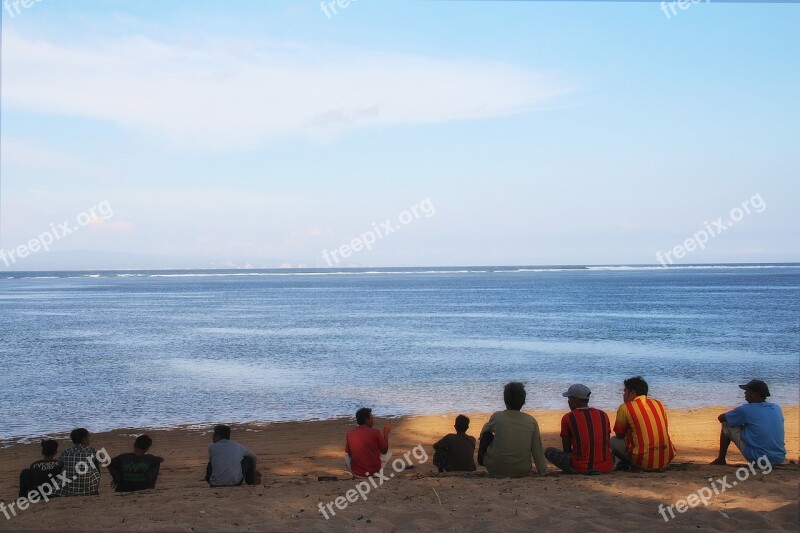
point(644, 423)
point(589, 430)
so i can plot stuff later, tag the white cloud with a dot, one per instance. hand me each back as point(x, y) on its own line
point(231, 95)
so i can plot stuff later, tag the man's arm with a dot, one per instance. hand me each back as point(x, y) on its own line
point(537, 451)
point(386, 430)
point(566, 433)
point(248, 453)
point(621, 423)
point(721, 417)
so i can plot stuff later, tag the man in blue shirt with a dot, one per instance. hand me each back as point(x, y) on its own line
point(756, 427)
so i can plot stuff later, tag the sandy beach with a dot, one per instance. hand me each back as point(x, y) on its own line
point(293, 456)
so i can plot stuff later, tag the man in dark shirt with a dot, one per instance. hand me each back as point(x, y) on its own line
point(137, 470)
point(42, 471)
point(456, 451)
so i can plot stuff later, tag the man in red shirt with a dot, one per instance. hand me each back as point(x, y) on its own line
point(366, 448)
point(585, 435)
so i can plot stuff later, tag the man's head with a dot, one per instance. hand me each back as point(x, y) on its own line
point(634, 387)
point(514, 395)
point(222, 432)
point(49, 447)
point(755, 391)
point(462, 424)
point(79, 436)
point(364, 416)
point(142, 444)
point(577, 395)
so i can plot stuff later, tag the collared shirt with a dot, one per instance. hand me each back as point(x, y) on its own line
point(644, 423)
point(80, 468)
point(226, 462)
point(516, 440)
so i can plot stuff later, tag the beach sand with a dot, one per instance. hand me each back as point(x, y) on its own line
point(293, 455)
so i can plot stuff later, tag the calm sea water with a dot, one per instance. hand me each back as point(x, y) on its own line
point(130, 349)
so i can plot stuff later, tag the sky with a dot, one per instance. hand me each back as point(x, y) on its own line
point(242, 134)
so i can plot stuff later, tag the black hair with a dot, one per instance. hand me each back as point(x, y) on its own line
point(362, 415)
point(222, 431)
point(462, 423)
point(78, 435)
point(49, 447)
point(514, 395)
point(143, 442)
point(637, 385)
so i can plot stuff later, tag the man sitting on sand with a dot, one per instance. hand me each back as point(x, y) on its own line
point(366, 449)
point(756, 428)
point(455, 452)
point(80, 466)
point(229, 463)
point(642, 439)
point(510, 438)
point(137, 470)
point(585, 435)
point(40, 472)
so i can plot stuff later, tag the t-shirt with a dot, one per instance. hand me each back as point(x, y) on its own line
point(589, 431)
point(763, 430)
point(41, 471)
point(644, 423)
point(134, 472)
point(458, 452)
point(516, 440)
point(226, 457)
point(364, 445)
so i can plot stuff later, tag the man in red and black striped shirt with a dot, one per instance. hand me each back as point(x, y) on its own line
point(585, 434)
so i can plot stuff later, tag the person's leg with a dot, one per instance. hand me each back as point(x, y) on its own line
point(620, 448)
point(728, 434)
point(249, 470)
point(348, 462)
point(559, 458)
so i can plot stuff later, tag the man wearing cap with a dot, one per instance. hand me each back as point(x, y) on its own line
point(585, 435)
point(756, 428)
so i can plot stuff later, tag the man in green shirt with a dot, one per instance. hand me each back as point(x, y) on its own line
point(510, 438)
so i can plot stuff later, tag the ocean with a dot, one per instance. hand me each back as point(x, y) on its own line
point(117, 349)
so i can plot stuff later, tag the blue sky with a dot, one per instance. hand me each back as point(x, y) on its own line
point(245, 133)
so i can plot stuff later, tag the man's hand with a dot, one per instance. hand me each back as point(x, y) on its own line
point(387, 429)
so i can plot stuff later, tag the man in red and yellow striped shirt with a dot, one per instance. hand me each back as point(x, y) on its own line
point(642, 433)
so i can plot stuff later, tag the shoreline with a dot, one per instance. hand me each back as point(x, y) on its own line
point(22, 440)
point(293, 456)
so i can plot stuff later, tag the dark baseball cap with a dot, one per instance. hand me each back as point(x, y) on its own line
point(756, 385)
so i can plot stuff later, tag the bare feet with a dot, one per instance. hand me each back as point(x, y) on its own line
point(718, 462)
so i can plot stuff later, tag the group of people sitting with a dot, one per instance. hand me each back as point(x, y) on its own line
point(510, 444)
point(76, 472)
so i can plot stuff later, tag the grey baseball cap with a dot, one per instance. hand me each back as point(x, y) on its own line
point(577, 390)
